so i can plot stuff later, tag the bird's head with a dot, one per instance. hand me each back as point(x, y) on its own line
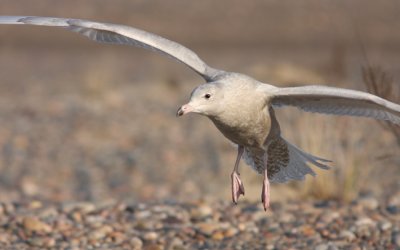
point(206, 100)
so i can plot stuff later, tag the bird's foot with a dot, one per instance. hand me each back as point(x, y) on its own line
point(265, 193)
point(237, 187)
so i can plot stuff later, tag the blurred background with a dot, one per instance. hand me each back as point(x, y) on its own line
point(87, 121)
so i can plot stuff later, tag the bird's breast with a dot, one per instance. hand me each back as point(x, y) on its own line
point(249, 129)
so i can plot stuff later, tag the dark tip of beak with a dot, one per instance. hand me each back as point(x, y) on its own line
point(179, 112)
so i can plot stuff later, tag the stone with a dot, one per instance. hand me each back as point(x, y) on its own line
point(100, 232)
point(207, 228)
point(150, 236)
point(385, 225)
point(364, 221)
point(35, 225)
point(396, 239)
point(136, 243)
point(117, 237)
point(347, 235)
point(230, 232)
point(369, 203)
point(217, 235)
point(200, 212)
point(84, 207)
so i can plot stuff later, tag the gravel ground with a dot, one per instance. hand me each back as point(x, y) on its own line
point(365, 223)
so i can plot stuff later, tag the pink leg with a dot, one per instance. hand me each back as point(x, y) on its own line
point(237, 185)
point(265, 191)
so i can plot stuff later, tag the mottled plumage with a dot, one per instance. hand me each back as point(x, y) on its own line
point(240, 107)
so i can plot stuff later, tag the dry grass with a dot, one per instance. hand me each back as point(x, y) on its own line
point(382, 84)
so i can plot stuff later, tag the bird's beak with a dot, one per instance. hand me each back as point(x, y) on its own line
point(184, 110)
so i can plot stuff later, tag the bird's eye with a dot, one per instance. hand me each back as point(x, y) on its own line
point(207, 96)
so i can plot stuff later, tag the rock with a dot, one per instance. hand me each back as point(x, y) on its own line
point(4, 237)
point(150, 236)
point(42, 242)
point(37, 242)
point(322, 247)
point(176, 244)
point(28, 187)
point(365, 221)
point(153, 247)
point(396, 240)
point(217, 235)
point(142, 214)
point(242, 226)
point(308, 231)
point(200, 212)
point(84, 207)
point(385, 225)
point(328, 246)
point(100, 233)
point(347, 235)
point(369, 203)
point(47, 212)
point(117, 237)
point(230, 232)
point(393, 209)
point(286, 217)
point(49, 242)
point(136, 243)
point(77, 217)
point(328, 217)
point(9, 208)
point(207, 228)
point(35, 205)
point(35, 225)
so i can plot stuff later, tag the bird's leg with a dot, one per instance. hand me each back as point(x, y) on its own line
point(265, 191)
point(237, 185)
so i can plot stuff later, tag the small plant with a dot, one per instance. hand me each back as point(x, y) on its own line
point(380, 83)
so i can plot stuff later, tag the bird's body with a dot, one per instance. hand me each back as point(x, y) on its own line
point(248, 124)
point(241, 107)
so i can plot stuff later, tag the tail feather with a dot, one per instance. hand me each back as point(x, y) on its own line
point(299, 165)
point(285, 161)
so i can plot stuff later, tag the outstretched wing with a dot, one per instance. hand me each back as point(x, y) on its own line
point(120, 34)
point(335, 101)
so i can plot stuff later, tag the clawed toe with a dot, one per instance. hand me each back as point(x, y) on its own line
point(237, 187)
point(265, 194)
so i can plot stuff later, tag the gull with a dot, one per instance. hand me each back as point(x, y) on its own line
point(242, 108)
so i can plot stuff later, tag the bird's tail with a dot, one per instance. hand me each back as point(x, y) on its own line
point(299, 164)
point(284, 160)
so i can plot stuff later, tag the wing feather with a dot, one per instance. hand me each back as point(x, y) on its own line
point(124, 35)
point(336, 101)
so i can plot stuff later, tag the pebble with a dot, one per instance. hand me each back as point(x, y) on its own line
point(230, 232)
point(365, 221)
point(369, 203)
point(385, 225)
point(84, 207)
point(136, 243)
point(347, 235)
point(396, 239)
point(117, 237)
point(209, 226)
point(200, 211)
point(35, 225)
point(150, 236)
point(100, 233)
point(218, 236)
point(4, 237)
